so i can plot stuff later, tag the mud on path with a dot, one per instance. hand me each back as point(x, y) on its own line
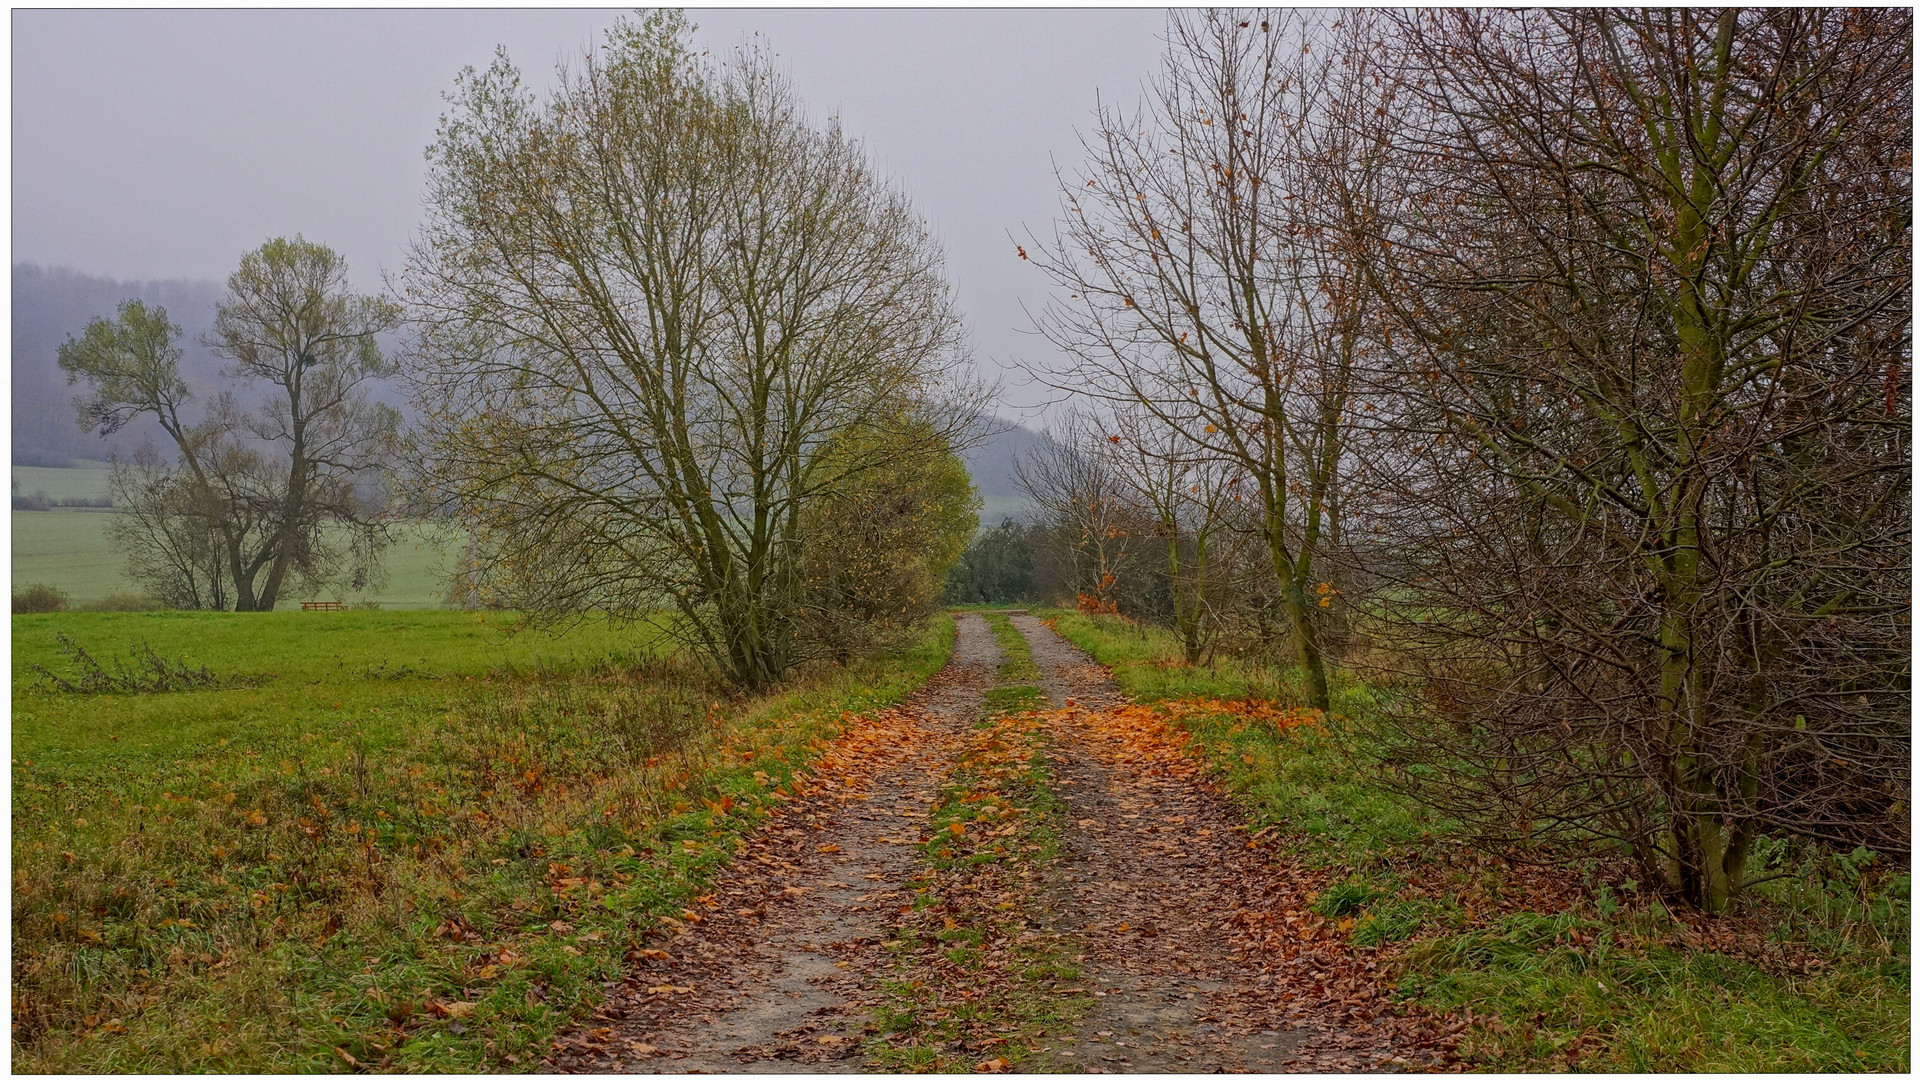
point(1158, 868)
point(772, 979)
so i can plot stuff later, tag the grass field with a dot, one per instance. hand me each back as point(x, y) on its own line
point(86, 480)
point(69, 550)
point(1576, 966)
point(389, 839)
point(997, 508)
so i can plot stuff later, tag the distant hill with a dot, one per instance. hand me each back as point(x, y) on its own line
point(51, 304)
point(991, 460)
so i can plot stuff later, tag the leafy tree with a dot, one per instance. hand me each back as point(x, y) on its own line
point(664, 320)
point(280, 489)
point(996, 567)
point(291, 322)
point(879, 548)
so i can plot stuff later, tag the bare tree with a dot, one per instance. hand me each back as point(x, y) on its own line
point(1210, 271)
point(1188, 496)
point(1087, 509)
point(653, 310)
point(1647, 452)
point(170, 531)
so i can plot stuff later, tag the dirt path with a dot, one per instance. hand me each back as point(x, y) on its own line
point(1158, 868)
point(1181, 932)
point(1169, 997)
point(771, 980)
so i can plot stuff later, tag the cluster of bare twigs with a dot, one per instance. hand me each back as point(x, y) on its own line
point(1564, 352)
point(148, 673)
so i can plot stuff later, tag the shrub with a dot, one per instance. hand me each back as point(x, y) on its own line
point(39, 600)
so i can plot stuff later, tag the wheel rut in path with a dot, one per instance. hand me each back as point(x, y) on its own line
point(1155, 865)
point(774, 978)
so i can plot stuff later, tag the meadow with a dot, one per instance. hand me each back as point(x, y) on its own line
point(1577, 967)
point(84, 480)
point(409, 840)
point(67, 548)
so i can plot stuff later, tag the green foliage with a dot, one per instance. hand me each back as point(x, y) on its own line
point(880, 543)
point(426, 867)
point(130, 363)
point(997, 567)
point(771, 378)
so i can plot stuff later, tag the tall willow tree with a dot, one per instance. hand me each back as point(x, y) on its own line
point(661, 317)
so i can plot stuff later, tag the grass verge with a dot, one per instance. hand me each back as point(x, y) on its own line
point(417, 870)
point(1570, 964)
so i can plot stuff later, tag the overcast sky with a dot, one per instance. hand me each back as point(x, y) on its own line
point(159, 144)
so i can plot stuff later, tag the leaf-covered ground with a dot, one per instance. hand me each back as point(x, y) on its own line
point(1012, 873)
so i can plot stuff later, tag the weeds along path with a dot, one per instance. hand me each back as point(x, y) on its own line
point(1160, 877)
point(768, 973)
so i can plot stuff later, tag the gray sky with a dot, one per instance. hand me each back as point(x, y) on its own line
point(151, 144)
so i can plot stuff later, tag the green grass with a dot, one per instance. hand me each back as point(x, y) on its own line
point(88, 480)
point(69, 550)
point(1016, 657)
point(317, 672)
point(1819, 979)
point(416, 844)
